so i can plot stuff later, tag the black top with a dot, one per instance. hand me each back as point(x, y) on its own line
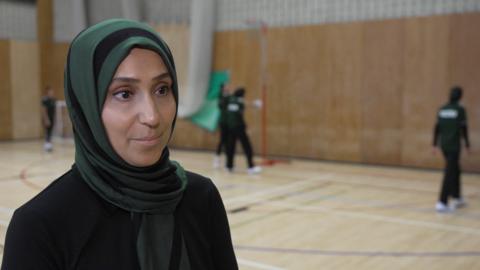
point(451, 126)
point(234, 112)
point(222, 105)
point(68, 226)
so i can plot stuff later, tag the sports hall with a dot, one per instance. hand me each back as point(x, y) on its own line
point(349, 92)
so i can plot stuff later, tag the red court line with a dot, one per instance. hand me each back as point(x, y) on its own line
point(24, 179)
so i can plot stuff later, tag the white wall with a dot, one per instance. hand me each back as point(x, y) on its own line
point(233, 14)
point(18, 21)
point(167, 11)
point(153, 11)
point(99, 10)
point(63, 27)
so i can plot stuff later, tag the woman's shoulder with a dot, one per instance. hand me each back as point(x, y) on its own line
point(56, 223)
point(200, 189)
point(198, 181)
point(66, 195)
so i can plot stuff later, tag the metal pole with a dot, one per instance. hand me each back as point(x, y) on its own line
point(263, 72)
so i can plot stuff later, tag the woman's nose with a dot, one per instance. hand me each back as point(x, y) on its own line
point(148, 111)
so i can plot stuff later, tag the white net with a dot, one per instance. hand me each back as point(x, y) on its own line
point(63, 125)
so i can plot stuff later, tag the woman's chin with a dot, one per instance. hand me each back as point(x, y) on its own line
point(144, 160)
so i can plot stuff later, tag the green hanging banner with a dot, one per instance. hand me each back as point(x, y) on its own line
point(208, 115)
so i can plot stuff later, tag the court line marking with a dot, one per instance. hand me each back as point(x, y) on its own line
point(350, 253)
point(359, 204)
point(338, 212)
point(24, 179)
point(297, 185)
point(275, 191)
point(257, 265)
point(282, 210)
point(390, 182)
point(292, 193)
point(4, 223)
point(9, 178)
point(6, 210)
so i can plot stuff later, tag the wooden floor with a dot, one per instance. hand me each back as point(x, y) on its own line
point(302, 215)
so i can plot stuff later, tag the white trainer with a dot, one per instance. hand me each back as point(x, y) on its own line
point(216, 162)
point(442, 208)
point(458, 203)
point(255, 170)
point(48, 147)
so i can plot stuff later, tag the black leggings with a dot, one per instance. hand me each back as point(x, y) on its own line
point(48, 133)
point(451, 177)
point(241, 134)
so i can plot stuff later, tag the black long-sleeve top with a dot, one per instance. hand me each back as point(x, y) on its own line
point(68, 226)
point(451, 126)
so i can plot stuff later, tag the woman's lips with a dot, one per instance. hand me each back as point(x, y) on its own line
point(148, 141)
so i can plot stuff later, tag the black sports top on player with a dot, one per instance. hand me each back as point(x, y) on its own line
point(451, 125)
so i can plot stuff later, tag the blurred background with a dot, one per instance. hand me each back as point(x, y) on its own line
point(347, 80)
point(349, 90)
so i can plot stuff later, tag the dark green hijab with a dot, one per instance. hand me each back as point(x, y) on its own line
point(149, 192)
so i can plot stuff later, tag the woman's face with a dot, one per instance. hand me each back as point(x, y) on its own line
point(139, 108)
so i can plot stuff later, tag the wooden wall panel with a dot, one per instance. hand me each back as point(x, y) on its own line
point(45, 40)
point(187, 135)
point(362, 92)
point(239, 53)
point(425, 87)
point(308, 129)
point(284, 72)
point(5, 92)
point(301, 82)
point(245, 71)
point(25, 82)
point(57, 64)
point(464, 70)
point(382, 73)
point(177, 37)
point(344, 108)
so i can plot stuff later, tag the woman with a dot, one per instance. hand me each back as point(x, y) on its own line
point(124, 204)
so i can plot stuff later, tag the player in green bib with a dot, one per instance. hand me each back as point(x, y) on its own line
point(236, 129)
point(48, 117)
point(450, 128)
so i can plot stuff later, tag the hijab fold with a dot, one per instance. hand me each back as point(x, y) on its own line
point(153, 192)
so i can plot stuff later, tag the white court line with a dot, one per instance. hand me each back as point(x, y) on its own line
point(4, 223)
point(257, 265)
point(276, 190)
point(426, 224)
point(386, 182)
point(6, 210)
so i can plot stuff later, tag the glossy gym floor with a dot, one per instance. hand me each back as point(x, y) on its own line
point(301, 214)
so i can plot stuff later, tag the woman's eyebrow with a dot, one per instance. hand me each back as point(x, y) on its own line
point(162, 76)
point(135, 80)
point(125, 79)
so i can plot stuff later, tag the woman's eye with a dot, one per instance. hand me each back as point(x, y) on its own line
point(162, 90)
point(122, 95)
